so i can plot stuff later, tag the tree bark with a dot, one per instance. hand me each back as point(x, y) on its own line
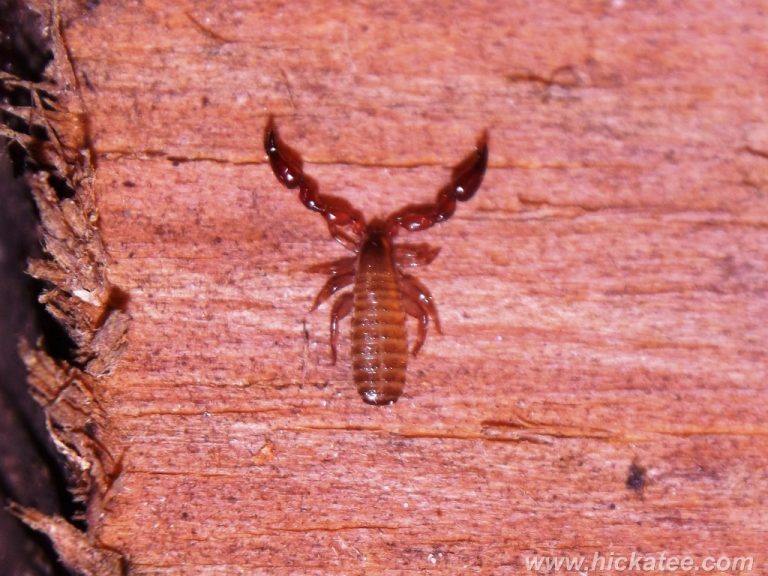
point(600, 386)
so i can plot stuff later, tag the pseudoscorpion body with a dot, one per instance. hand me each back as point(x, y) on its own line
point(383, 293)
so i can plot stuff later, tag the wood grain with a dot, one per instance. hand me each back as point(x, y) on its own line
point(601, 383)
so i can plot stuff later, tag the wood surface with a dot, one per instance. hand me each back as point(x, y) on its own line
point(601, 382)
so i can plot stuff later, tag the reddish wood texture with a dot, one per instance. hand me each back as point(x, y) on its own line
point(601, 381)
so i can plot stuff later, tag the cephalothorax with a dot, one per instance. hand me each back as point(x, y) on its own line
point(383, 293)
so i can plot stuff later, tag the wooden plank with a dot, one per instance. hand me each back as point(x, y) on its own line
point(601, 383)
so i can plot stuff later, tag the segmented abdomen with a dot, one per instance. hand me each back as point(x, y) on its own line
point(379, 345)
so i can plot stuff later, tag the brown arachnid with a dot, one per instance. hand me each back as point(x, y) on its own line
point(383, 293)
